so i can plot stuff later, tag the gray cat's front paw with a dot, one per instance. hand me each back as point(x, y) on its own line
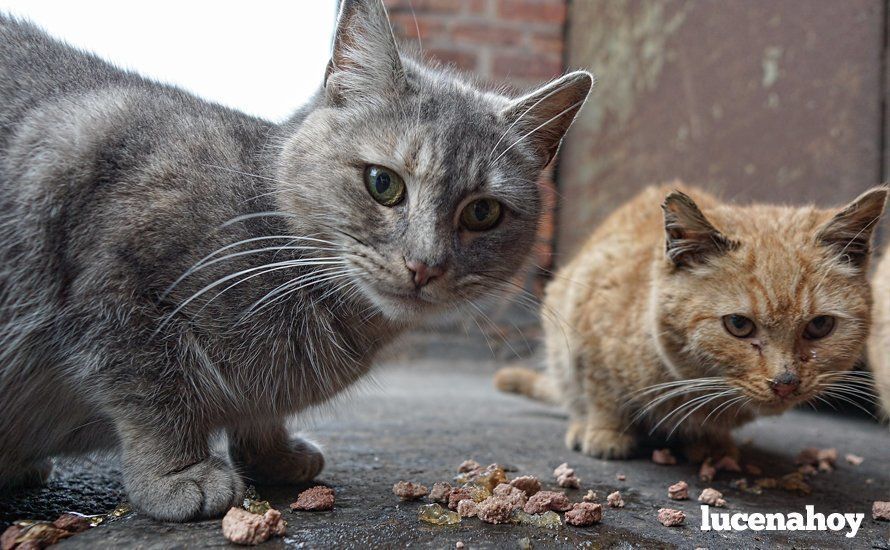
point(205, 489)
point(291, 462)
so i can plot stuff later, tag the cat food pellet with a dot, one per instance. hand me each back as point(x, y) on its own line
point(663, 457)
point(742, 485)
point(808, 455)
point(547, 500)
point(712, 497)
point(517, 497)
point(495, 510)
point(621, 477)
point(467, 508)
point(767, 482)
point(707, 472)
point(590, 496)
point(614, 500)
point(753, 470)
point(459, 544)
point(436, 515)
point(728, 464)
point(72, 523)
point(565, 477)
point(547, 520)
point(583, 514)
point(826, 466)
point(243, 527)
point(315, 499)
point(7, 539)
point(827, 455)
point(440, 492)
point(468, 466)
point(529, 484)
point(807, 470)
point(670, 517)
point(679, 491)
point(795, 482)
point(855, 460)
point(408, 490)
point(880, 510)
point(458, 494)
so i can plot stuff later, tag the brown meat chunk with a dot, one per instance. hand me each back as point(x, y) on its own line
point(679, 491)
point(712, 497)
point(440, 492)
point(458, 494)
point(583, 514)
point(663, 457)
point(495, 510)
point(516, 496)
point(614, 500)
point(590, 496)
point(880, 510)
point(547, 500)
point(316, 499)
point(468, 466)
point(467, 508)
point(670, 517)
point(408, 490)
point(243, 527)
point(529, 484)
point(72, 523)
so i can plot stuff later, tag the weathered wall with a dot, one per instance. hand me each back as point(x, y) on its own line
point(777, 100)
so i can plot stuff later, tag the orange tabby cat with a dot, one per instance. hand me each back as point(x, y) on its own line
point(696, 317)
point(879, 340)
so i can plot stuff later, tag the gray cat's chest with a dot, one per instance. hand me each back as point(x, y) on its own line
point(293, 367)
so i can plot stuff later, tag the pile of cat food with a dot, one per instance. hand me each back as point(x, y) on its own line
point(487, 494)
point(255, 521)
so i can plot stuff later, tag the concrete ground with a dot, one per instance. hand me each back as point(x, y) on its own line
point(422, 418)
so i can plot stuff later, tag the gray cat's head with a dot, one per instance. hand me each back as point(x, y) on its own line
point(427, 183)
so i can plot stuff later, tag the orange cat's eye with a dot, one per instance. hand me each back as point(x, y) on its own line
point(819, 327)
point(739, 326)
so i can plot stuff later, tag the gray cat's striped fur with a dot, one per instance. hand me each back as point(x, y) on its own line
point(117, 329)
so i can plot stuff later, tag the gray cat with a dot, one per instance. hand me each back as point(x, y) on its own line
point(170, 268)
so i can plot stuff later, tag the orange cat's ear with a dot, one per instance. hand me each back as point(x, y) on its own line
point(849, 232)
point(690, 236)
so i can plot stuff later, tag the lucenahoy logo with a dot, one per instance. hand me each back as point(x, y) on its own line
point(794, 521)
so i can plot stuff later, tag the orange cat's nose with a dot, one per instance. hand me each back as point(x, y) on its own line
point(785, 384)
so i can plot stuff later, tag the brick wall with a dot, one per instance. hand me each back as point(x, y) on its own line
point(513, 42)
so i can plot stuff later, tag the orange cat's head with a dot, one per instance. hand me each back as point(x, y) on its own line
point(772, 299)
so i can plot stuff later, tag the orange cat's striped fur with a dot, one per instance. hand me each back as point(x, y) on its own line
point(696, 317)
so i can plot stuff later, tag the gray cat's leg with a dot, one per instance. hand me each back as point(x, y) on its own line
point(267, 454)
point(170, 473)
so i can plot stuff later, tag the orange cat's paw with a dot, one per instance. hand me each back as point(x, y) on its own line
point(607, 444)
point(574, 436)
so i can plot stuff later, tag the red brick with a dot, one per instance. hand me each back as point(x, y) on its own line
point(538, 11)
point(527, 66)
point(420, 6)
point(484, 32)
point(467, 61)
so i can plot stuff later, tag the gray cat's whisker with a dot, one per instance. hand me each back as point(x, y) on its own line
point(268, 268)
point(555, 117)
point(300, 283)
point(269, 214)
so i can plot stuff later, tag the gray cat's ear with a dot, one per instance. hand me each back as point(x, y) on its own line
point(849, 232)
point(365, 62)
point(543, 117)
point(690, 237)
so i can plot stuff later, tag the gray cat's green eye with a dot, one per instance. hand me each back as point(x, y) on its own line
point(384, 185)
point(739, 326)
point(481, 215)
point(819, 327)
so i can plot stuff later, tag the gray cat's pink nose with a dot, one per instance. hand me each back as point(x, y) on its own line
point(785, 384)
point(423, 273)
